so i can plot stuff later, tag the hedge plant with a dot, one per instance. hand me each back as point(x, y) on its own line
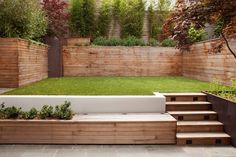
point(62, 111)
point(104, 18)
point(131, 17)
point(22, 18)
point(82, 17)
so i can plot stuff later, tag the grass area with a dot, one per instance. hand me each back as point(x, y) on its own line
point(111, 86)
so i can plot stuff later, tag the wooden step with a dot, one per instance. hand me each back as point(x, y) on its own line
point(193, 115)
point(200, 126)
point(187, 106)
point(203, 138)
point(185, 96)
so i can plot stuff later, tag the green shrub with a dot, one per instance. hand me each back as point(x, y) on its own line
point(196, 35)
point(46, 112)
point(31, 114)
point(82, 17)
point(104, 18)
point(2, 106)
point(133, 41)
point(131, 17)
point(12, 112)
point(168, 43)
point(22, 18)
point(63, 111)
point(152, 42)
point(129, 41)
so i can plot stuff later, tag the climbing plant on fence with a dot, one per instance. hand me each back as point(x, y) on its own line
point(82, 17)
point(22, 18)
point(131, 16)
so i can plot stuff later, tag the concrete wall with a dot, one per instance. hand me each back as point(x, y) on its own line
point(22, 62)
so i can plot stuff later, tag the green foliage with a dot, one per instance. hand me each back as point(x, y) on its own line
point(129, 41)
point(63, 111)
point(131, 16)
point(152, 42)
point(152, 21)
point(2, 106)
point(196, 35)
point(218, 27)
point(133, 41)
point(168, 43)
point(82, 17)
point(12, 112)
point(31, 114)
point(104, 18)
point(22, 18)
point(224, 91)
point(102, 41)
point(46, 112)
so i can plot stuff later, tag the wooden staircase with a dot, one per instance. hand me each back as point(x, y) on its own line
point(197, 123)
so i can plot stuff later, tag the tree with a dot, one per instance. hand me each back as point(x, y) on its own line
point(197, 15)
point(57, 17)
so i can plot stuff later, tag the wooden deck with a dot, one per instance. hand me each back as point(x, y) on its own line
point(92, 129)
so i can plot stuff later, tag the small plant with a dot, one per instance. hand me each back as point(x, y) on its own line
point(2, 110)
point(168, 43)
point(63, 111)
point(12, 112)
point(153, 42)
point(46, 112)
point(196, 35)
point(31, 114)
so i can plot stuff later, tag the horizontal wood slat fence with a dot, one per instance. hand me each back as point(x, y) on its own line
point(22, 62)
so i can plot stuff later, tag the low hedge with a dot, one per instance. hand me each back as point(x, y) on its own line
point(62, 111)
point(129, 41)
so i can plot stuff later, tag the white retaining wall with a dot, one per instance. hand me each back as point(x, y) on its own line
point(93, 104)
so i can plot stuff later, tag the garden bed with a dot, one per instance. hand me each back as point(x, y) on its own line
point(226, 110)
point(92, 129)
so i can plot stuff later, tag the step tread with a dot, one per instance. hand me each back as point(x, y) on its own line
point(191, 112)
point(202, 135)
point(187, 103)
point(198, 123)
point(183, 94)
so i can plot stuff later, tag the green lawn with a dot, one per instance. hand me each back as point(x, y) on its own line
point(111, 86)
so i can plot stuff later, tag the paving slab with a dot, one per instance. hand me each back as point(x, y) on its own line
point(115, 151)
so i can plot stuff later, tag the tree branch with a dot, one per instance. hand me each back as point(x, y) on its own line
point(227, 44)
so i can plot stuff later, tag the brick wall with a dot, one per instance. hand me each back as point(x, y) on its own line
point(121, 61)
point(21, 62)
point(203, 63)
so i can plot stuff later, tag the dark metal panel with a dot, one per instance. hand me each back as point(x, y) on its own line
point(226, 112)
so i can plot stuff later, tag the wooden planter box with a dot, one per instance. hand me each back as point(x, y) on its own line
point(78, 41)
point(226, 110)
point(22, 62)
point(86, 129)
